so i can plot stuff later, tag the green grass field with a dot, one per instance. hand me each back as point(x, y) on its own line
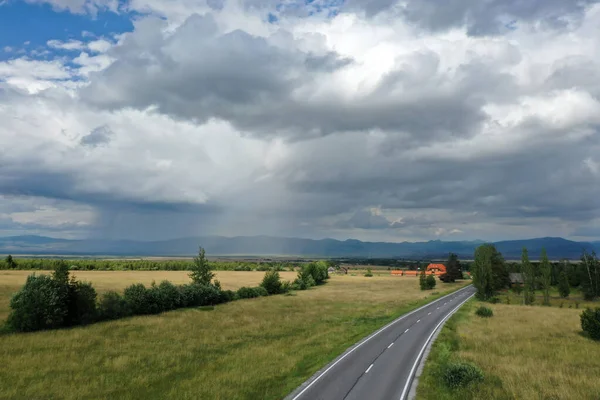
point(250, 349)
point(525, 352)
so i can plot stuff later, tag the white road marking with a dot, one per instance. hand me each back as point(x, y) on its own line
point(391, 345)
point(418, 321)
point(437, 308)
point(363, 342)
point(414, 367)
point(368, 369)
point(428, 313)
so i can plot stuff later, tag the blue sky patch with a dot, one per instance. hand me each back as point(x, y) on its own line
point(30, 26)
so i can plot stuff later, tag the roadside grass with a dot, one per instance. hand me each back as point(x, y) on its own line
point(524, 352)
point(260, 348)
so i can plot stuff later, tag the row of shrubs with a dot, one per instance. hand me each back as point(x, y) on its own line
point(55, 301)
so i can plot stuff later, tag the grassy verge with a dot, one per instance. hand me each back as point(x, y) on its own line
point(524, 352)
point(251, 349)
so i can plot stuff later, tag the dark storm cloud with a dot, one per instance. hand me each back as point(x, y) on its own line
point(490, 17)
point(197, 74)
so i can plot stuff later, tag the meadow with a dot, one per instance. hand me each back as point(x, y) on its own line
point(248, 349)
point(525, 352)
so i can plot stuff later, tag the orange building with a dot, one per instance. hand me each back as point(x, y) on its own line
point(437, 269)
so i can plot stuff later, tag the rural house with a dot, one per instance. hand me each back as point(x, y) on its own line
point(437, 269)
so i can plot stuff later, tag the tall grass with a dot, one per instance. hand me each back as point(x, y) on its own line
point(524, 352)
point(258, 348)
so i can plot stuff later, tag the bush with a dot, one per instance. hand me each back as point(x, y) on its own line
point(318, 271)
point(42, 303)
point(484, 311)
point(494, 300)
point(247, 293)
point(430, 282)
point(286, 286)
point(369, 273)
point(194, 295)
point(81, 304)
point(168, 295)
point(138, 299)
point(226, 296)
point(590, 323)
point(457, 374)
point(112, 306)
point(272, 282)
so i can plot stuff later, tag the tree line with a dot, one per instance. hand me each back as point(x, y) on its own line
point(139, 265)
point(491, 274)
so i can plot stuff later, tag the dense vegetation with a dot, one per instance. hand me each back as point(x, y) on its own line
point(140, 265)
point(49, 302)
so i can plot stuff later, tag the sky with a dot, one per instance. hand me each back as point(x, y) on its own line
point(377, 120)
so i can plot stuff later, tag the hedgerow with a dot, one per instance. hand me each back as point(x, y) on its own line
point(50, 302)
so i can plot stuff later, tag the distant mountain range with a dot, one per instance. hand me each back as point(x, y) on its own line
point(277, 246)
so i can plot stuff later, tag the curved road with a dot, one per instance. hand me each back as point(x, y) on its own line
point(382, 366)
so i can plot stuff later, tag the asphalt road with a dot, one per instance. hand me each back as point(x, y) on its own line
point(382, 366)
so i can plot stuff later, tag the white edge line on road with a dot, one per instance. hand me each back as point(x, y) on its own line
point(391, 345)
point(369, 338)
point(368, 369)
point(428, 313)
point(414, 367)
point(418, 321)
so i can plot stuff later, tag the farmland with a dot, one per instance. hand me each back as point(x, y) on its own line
point(524, 352)
point(198, 353)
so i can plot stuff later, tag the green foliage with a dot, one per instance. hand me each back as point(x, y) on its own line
point(563, 282)
point(458, 374)
point(112, 306)
point(10, 262)
point(590, 276)
point(272, 282)
point(423, 280)
point(139, 299)
point(369, 273)
point(47, 302)
point(81, 303)
point(453, 269)
point(590, 323)
point(528, 278)
point(247, 293)
point(86, 264)
point(42, 303)
point(303, 281)
point(318, 271)
point(201, 271)
point(574, 275)
point(430, 282)
point(545, 276)
point(194, 295)
point(484, 311)
point(482, 271)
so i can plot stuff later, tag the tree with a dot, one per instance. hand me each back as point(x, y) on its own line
point(563, 280)
point(500, 277)
point(453, 269)
point(481, 270)
point(545, 276)
point(201, 271)
point(528, 278)
point(10, 263)
point(590, 276)
point(423, 280)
